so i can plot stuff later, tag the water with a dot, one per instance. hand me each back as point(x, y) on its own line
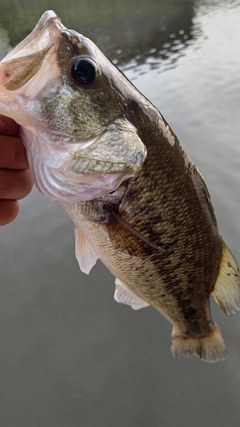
point(70, 356)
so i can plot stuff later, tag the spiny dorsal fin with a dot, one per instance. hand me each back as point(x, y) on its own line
point(227, 288)
point(123, 295)
point(84, 253)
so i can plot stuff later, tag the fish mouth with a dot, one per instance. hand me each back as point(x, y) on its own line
point(29, 56)
point(43, 36)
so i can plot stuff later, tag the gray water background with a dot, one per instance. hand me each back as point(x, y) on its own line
point(70, 355)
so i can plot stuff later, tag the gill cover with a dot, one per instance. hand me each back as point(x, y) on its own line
point(84, 171)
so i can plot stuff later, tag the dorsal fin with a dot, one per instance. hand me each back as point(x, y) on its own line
point(227, 288)
point(85, 255)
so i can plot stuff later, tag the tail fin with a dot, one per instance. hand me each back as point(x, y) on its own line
point(210, 348)
point(227, 288)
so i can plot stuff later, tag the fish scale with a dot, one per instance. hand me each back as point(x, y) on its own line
point(99, 148)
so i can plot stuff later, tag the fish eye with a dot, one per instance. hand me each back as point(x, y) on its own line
point(83, 71)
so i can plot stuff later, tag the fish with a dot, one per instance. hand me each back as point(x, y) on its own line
point(100, 148)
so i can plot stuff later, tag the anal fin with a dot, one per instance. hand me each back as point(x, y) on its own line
point(210, 348)
point(123, 295)
point(227, 288)
point(84, 253)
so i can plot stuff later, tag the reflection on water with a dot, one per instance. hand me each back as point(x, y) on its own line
point(128, 32)
point(70, 355)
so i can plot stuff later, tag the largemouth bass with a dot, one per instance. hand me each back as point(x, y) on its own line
point(105, 153)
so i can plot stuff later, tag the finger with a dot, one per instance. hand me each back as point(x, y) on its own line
point(12, 153)
point(8, 211)
point(8, 126)
point(15, 184)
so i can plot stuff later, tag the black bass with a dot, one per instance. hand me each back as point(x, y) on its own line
point(102, 150)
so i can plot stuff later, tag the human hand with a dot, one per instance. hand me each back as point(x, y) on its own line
point(15, 177)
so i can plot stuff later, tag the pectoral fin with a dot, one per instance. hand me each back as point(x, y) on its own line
point(130, 229)
point(84, 253)
point(123, 295)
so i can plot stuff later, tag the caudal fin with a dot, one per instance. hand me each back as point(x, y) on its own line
point(227, 288)
point(210, 348)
